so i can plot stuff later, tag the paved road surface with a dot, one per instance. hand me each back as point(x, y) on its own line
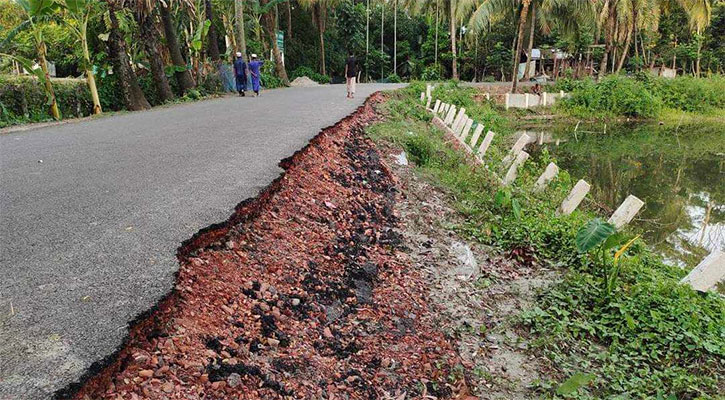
point(88, 236)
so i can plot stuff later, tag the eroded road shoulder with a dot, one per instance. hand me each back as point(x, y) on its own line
point(305, 293)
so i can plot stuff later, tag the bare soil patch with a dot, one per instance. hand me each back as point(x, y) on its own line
point(479, 305)
point(304, 293)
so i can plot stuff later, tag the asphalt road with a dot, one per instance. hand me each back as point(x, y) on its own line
point(88, 236)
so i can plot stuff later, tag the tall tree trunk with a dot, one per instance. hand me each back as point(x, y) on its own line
point(699, 54)
point(395, 37)
point(268, 23)
point(183, 76)
point(382, 40)
point(608, 37)
point(527, 70)
point(239, 28)
point(150, 43)
point(289, 19)
point(133, 96)
point(454, 65)
point(437, 23)
point(519, 44)
point(321, 11)
point(625, 51)
point(367, 39)
point(54, 111)
point(212, 37)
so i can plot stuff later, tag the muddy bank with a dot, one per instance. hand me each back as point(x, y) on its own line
point(304, 293)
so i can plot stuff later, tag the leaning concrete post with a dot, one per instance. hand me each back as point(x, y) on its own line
point(476, 134)
point(427, 90)
point(461, 123)
point(571, 202)
point(513, 170)
point(626, 211)
point(427, 103)
point(485, 144)
point(488, 96)
point(450, 115)
point(459, 116)
point(507, 100)
point(708, 273)
point(523, 140)
point(549, 174)
point(436, 106)
point(466, 130)
point(422, 96)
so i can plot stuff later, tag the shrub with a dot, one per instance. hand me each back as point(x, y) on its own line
point(393, 78)
point(22, 99)
point(269, 78)
point(431, 73)
point(688, 93)
point(614, 95)
point(310, 73)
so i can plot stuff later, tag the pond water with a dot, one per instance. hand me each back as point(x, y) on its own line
point(678, 171)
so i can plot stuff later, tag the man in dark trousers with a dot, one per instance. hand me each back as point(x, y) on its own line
point(350, 74)
point(240, 74)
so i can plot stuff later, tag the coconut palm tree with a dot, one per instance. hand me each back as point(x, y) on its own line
point(133, 96)
point(454, 10)
point(181, 71)
point(145, 15)
point(699, 13)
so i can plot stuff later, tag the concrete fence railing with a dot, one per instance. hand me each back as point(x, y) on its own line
point(457, 124)
point(528, 100)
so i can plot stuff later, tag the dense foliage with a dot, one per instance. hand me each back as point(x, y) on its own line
point(649, 337)
point(642, 96)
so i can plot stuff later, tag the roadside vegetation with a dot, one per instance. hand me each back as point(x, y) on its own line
point(617, 324)
point(642, 96)
point(145, 53)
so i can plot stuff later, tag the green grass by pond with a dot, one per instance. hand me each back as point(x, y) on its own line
point(678, 170)
point(649, 338)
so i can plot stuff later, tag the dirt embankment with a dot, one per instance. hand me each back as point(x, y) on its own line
point(304, 293)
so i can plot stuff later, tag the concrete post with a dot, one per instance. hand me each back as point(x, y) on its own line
point(422, 96)
point(436, 106)
point(708, 273)
point(459, 116)
point(577, 194)
point(427, 103)
point(466, 130)
point(476, 134)
point(549, 174)
point(544, 95)
point(461, 124)
point(626, 211)
point(507, 100)
point(485, 144)
point(513, 170)
point(451, 114)
point(427, 90)
point(488, 96)
point(523, 140)
point(526, 101)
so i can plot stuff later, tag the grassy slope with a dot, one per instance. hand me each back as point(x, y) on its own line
point(650, 338)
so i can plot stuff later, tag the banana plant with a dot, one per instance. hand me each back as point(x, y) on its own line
point(599, 238)
point(79, 12)
point(36, 12)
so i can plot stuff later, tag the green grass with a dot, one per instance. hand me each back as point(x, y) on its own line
point(651, 338)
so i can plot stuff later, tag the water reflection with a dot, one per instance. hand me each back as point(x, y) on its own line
point(678, 172)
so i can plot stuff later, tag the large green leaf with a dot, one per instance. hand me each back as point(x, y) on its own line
point(593, 234)
point(574, 382)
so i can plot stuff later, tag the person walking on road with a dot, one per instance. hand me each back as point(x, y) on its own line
point(254, 70)
point(350, 74)
point(240, 74)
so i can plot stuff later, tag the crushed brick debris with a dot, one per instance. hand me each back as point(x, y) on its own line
point(306, 293)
